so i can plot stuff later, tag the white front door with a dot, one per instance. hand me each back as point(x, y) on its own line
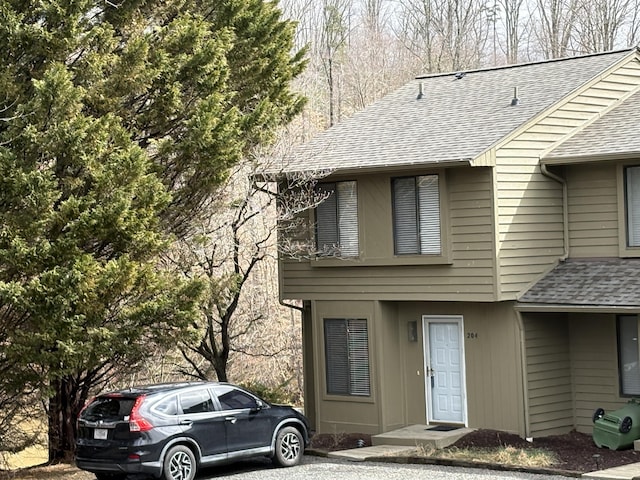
point(444, 369)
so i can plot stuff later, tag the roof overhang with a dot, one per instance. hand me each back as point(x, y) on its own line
point(577, 159)
point(273, 174)
point(563, 308)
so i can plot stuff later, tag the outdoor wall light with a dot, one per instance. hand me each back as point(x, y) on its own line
point(413, 331)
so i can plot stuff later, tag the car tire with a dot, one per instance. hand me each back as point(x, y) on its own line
point(626, 424)
point(289, 447)
point(179, 464)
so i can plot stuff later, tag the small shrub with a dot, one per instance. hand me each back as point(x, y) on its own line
point(278, 394)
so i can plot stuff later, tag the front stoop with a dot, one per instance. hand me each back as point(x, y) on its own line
point(415, 435)
point(377, 451)
point(623, 472)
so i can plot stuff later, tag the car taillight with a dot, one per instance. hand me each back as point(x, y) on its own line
point(137, 423)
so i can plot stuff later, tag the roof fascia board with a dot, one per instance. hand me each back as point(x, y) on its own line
point(558, 307)
point(569, 160)
point(485, 159)
point(400, 168)
point(563, 101)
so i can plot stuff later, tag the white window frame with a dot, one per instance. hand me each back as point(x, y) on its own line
point(417, 220)
point(347, 362)
point(336, 220)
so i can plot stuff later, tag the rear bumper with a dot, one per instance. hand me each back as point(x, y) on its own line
point(101, 466)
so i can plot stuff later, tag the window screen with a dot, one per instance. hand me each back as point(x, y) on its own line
point(347, 357)
point(628, 355)
point(337, 220)
point(416, 215)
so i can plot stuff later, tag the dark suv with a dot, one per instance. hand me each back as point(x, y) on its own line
point(170, 430)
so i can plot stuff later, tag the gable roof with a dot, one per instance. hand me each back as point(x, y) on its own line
point(455, 122)
point(611, 282)
point(617, 133)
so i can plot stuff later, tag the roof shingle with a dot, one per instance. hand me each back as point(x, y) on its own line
point(616, 132)
point(456, 120)
point(608, 282)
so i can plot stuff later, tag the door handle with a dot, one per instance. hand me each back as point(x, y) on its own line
point(233, 420)
point(188, 423)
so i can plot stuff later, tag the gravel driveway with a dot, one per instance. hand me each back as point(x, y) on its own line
point(317, 468)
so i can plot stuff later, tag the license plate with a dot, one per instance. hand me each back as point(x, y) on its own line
point(100, 434)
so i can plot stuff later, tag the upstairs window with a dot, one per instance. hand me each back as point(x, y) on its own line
point(632, 188)
point(337, 220)
point(416, 215)
point(347, 355)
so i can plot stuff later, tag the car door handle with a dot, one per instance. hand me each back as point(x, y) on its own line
point(233, 420)
point(186, 422)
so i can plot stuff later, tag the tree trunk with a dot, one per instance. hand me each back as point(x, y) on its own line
point(64, 408)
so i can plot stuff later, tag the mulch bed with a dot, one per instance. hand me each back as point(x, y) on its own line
point(575, 451)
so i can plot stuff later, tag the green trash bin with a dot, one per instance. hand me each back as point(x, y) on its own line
point(617, 430)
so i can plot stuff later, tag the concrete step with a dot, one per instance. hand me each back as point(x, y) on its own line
point(425, 435)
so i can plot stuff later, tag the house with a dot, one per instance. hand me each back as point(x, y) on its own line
point(478, 252)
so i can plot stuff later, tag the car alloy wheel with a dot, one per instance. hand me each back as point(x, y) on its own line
point(288, 447)
point(180, 464)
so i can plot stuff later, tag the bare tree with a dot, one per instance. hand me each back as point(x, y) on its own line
point(243, 332)
point(633, 30)
point(445, 34)
point(555, 27)
point(600, 23)
point(511, 22)
point(334, 34)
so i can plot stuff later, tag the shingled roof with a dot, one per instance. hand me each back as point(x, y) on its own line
point(589, 282)
point(458, 118)
point(615, 133)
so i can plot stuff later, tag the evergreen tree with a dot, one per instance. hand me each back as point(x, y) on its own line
point(118, 119)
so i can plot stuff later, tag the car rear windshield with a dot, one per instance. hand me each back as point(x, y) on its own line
point(109, 408)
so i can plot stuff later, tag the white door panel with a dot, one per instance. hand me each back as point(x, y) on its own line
point(444, 368)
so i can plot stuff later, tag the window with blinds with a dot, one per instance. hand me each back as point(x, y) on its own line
point(632, 181)
point(628, 355)
point(337, 220)
point(416, 215)
point(347, 356)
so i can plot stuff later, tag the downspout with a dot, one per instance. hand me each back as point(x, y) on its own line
point(565, 207)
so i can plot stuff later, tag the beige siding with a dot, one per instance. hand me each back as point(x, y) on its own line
point(467, 274)
point(548, 373)
point(530, 220)
point(593, 210)
point(492, 363)
point(492, 367)
point(594, 366)
point(336, 414)
point(390, 336)
point(529, 205)
point(571, 369)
